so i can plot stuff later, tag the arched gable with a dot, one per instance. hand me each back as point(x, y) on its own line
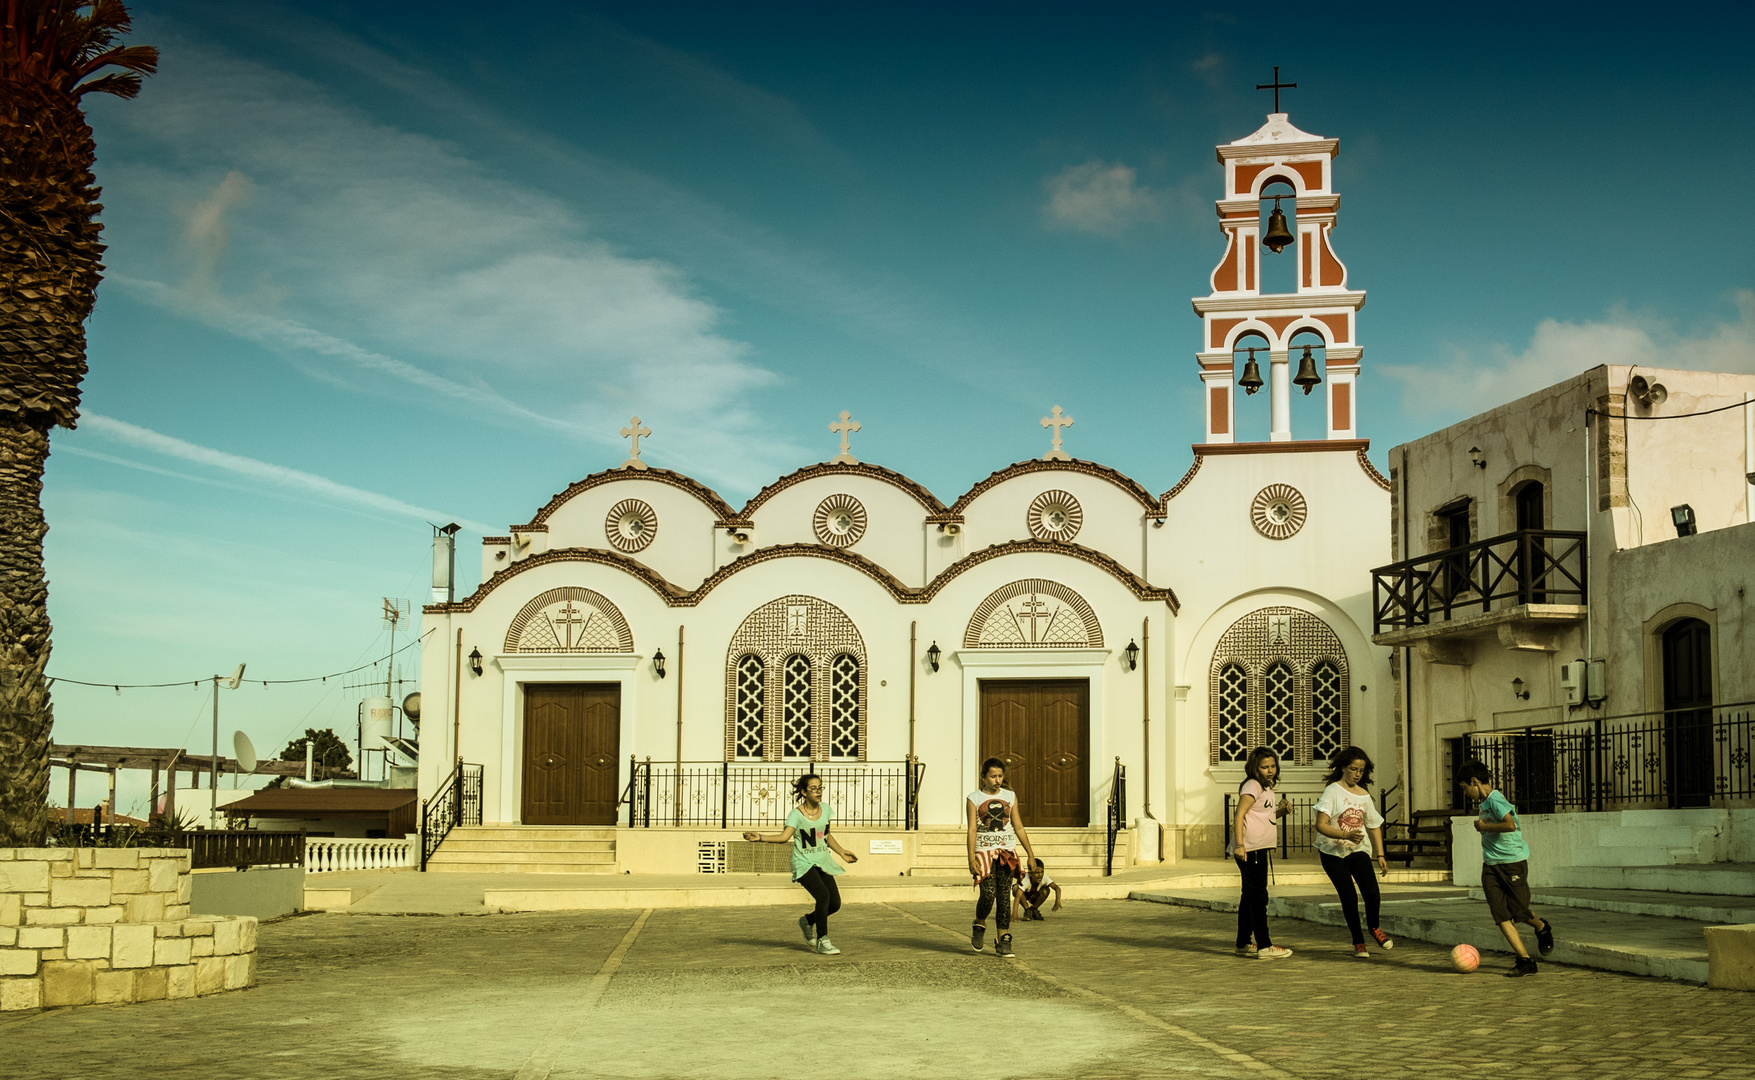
point(708, 497)
point(1033, 614)
point(569, 620)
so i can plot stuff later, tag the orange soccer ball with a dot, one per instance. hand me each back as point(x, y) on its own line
point(1466, 958)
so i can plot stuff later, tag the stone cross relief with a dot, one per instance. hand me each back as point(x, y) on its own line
point(844, 427)
point(1057, 421)
point(635, 432)
point(1279, 629)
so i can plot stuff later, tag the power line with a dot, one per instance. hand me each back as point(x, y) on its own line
point(197, 683)
point(1672, 416)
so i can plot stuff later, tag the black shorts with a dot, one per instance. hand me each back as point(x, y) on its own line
point(1507, 886)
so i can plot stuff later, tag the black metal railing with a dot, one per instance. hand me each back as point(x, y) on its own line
point(1530, 566)
point(208, 849)
point(1117, 814)
point(1297, 828)
point(720, 794)
point(457, 802)
point(1666, 759)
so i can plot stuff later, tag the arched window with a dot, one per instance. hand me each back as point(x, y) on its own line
point(751, 715)
point(1327, 688)
point(795, 708)
point(1279, 711)
point(844, 707)
point(1233, 714)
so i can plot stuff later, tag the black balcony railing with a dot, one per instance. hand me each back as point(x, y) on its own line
point(1677, 758)
point(1530, 566)
point(722, 794)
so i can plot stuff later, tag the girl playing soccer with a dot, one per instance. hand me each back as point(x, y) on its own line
point(1349, 832)
point(995, 831)
point(807, 827)
point(1256, 832)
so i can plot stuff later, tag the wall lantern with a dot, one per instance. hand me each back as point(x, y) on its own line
point(1133, 655)
point(1476, 458)
point(932, 655)
point(1517, 690)
point(658, 663)
point(475, 661)
point(1683, 516)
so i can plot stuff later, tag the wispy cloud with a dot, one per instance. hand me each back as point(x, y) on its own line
point(1472, 381)
point(1100, 198)
point(263, 472)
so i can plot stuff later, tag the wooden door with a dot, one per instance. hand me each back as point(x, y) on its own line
point(1687, 713)
point(572, 749)
point(1041, 729)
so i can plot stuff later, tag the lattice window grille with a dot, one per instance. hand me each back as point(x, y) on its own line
point(795, 734)
point(844, 707)
point(1233, 714)
point(1326, 732)
point(751, 680)
point(1260, 641)
point(1278, 684)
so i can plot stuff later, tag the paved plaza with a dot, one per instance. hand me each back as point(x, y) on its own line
point(1103, 989)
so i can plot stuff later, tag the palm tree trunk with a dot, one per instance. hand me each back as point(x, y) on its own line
point(25, 713)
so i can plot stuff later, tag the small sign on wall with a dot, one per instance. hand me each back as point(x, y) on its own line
point(886, 847)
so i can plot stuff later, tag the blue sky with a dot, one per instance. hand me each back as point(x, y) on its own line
point(374, 265)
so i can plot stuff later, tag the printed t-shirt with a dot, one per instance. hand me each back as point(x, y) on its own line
point(1029, 884)
point(993, 819)
point(1347, 811)
point(1503, 847)
point(1261, 828)
point(810, 842)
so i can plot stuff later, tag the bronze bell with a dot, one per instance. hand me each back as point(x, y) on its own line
point(1278, 236)
point(1307, 376)
point(1251, 381)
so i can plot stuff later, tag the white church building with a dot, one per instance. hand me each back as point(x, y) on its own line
point(644, 657)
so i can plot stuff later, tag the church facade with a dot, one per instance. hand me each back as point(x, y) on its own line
point(642, 652)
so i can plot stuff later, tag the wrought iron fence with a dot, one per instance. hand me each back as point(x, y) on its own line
point(1297, 828)
point(1530, 566)
point(1670, 758)
point(458, 802)
point(1117, 814)
point(872, 794)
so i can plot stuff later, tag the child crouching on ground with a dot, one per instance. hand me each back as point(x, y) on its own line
point(1505, 867)
point(1033, 891)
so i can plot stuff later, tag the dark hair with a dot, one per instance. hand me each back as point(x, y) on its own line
point(1340, 761)
point(991, 763)
point(1037, 862)
point(1252, 767)
point(801, 783)
point(1476, 771)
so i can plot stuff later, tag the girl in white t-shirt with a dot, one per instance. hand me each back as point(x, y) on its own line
point(1255, 833)
point(807, 830)
point(995, 831)
point(1349, 835)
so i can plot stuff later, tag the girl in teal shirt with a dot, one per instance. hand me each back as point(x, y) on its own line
point(807, 828)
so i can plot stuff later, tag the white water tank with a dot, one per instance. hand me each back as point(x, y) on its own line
point(379, 720)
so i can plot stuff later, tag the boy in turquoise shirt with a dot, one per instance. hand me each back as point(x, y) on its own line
point(1505, 867)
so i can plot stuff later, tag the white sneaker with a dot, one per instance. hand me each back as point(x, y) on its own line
point(827, 947)
point(809, 928)
point(1273, 952)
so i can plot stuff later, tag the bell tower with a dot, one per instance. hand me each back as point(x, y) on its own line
point(1237, 315)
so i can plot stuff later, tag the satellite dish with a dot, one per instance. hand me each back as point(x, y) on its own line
point(411, 707)
point(245, 751)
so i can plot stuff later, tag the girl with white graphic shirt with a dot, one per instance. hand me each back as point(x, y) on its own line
point(995, 831)
point(1349, 834)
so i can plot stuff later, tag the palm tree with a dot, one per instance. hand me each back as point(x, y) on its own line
point(49, 272)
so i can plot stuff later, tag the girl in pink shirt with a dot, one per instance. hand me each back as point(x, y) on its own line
point(1256, 832)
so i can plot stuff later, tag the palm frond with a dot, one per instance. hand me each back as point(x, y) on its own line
point(51, 44)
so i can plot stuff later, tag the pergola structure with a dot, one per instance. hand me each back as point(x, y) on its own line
point(162, 761)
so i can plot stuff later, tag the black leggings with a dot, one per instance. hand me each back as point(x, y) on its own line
point(996, 886)
point(821, 886)
point(1252, 908)
point(1344, 872)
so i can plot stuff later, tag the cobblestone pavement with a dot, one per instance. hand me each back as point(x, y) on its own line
point(1102, 989)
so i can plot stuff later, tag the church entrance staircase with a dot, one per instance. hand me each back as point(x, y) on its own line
point(525, 849)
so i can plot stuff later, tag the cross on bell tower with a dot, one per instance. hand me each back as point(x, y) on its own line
point(1322, 311)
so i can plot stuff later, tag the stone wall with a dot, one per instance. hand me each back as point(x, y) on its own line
point(88, 926)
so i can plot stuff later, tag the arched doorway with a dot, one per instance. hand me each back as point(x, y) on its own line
point(1688, 759)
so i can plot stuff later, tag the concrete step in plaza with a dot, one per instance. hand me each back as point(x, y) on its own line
point(529, 849)
point(1710, 879)
point(1604, 936)
point(1068, 853)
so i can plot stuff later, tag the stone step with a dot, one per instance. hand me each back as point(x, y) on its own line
point(1699, 907)
point(1711, 879)
point(534, 832)
point(448, 854)
point(1656, 836)
point(471, 843)
point(519, 868)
